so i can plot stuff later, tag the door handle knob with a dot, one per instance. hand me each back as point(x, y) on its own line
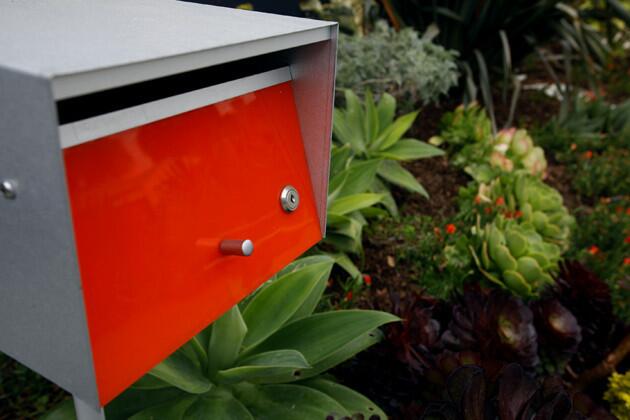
point(242, 247)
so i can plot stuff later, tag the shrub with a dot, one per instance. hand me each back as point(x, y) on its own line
point(412, 69)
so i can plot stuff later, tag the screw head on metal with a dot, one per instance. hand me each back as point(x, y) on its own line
point(289, 199)
point(8, 189)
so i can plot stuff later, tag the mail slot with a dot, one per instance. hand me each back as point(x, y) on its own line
point(159, 161)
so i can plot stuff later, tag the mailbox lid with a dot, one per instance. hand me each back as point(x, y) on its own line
point(85, 46)
point(150, 206)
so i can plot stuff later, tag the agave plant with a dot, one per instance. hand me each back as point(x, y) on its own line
point(263, 360)
point(372, 133)
point(515, 257)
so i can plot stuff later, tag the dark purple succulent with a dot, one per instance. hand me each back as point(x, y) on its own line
point(494, 324)
point(559, 333)
point(588, 298)
point(418, 334)
point(470, 394)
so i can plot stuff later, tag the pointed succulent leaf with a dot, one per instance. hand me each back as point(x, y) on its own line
point(181, 372)
point(288, 402)
point(386, 110)
point(228, 333)
point(411, 149)
point(356, 404)
point(390, 135)
point(371, 120)
point(278, 302)
point(357, 178)
point(516, 242)
point(257, 368)
point(344, 353)
point(217, 405)
point(171, 410)
point(321, 335)
point(393, 172)
point(354, 202)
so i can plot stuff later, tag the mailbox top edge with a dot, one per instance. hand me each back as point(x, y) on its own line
point(64, 38)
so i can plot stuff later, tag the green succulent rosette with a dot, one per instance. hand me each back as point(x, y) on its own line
point(515, 257)
point(532, 203)
point(543, 208)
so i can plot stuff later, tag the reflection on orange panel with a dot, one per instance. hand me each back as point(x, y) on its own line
point(150, 206)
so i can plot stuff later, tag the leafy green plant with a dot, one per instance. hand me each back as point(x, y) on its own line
point(264, 359)
point(603, 175)
point(411, 68)
point(515, 257)
point(371, 133)
point(602, 243)
point(618, 395)
point(433, 253)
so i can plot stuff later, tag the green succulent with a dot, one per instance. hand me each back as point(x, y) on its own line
point(532, 203)
point(263, 359)
point(543, 208)
point(518, 147)
point(467, 124)
point(371, 133)
point(515, 257)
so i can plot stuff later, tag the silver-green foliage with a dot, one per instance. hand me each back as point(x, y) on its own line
point(263, 360)
point(410, 68)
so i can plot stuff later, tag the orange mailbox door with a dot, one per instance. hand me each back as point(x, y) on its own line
point(150, 206)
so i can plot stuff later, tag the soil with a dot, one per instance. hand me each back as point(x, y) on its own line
point(441, 180)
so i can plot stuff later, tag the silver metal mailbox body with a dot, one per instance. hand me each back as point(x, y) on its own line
point(54, 51)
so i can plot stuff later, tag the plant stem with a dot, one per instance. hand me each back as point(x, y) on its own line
point(606, 366)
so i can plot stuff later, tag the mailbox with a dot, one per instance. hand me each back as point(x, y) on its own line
point(159, 160)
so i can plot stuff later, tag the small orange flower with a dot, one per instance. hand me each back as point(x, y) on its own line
point(349, 296)
point(573, 146)
point(626, 261)
point(367, 279)
point(500, 201)
point(628, 211)
point(477, 199)
point(590, 96)
point(588, 154)
point(627, 240)
point(451, 228)
point(437, 231)
point(593, 250)
point(488, 210)
point(518, 214)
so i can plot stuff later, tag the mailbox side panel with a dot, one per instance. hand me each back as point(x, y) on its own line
point(313, 71)
point(42, 317)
